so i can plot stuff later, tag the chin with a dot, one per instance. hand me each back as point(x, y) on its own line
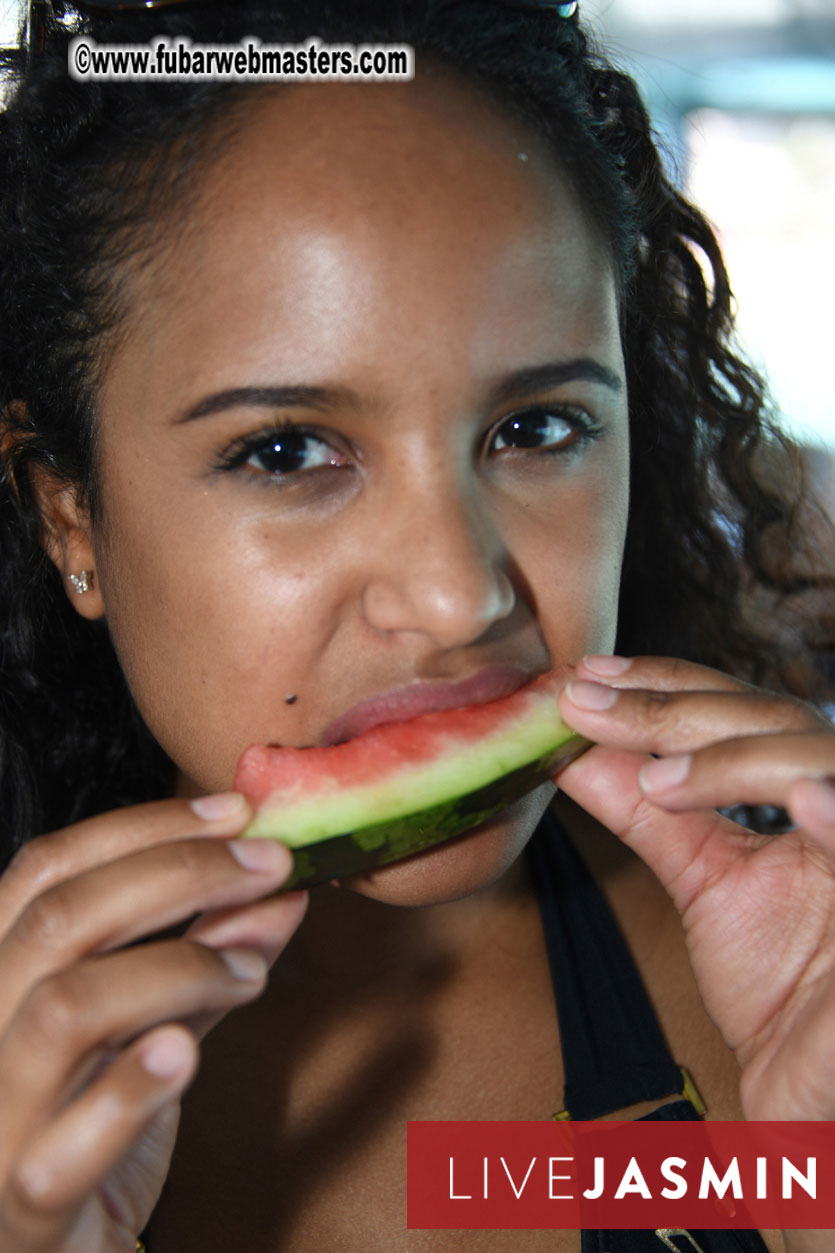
point(462, 867)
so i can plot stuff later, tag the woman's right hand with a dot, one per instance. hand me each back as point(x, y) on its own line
point(98, 1034)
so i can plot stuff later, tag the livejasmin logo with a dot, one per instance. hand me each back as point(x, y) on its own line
point(649, 1174)
point(675, 1173)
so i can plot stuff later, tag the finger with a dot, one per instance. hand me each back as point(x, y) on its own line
point(66, 1160)
point(266, 926)
point(117, 903)
point(752, 770)
point(651, 721)
point(57, 1038)
point(50, 859)
point(665, 674)
point(811, 804)
point(684, 850)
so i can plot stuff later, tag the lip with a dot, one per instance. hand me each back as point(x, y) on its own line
point(401, 704)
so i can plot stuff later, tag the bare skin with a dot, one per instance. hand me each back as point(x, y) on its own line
point(407, 254)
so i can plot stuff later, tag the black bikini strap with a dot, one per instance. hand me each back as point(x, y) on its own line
point(614, 1054)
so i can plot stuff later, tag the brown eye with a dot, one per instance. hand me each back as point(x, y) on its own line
point(289, 451)
point(546, 429)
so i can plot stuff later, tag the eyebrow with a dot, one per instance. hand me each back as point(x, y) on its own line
point(521, 383)
point(540, 378)
point(271, 398)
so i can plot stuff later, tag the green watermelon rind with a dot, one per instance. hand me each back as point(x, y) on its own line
point(302, 819)
point(378, 844)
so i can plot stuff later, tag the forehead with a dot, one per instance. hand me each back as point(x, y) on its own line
point(420, 212)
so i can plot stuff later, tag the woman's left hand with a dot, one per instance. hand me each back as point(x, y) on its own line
point(758, 911)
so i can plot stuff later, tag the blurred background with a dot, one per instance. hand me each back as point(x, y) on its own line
point(742, 93)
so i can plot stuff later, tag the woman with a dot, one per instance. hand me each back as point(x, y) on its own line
point(322, 401)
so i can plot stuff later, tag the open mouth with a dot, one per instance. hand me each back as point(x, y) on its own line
point(399, 788)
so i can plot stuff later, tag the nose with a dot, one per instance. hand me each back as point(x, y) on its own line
point(441, 569)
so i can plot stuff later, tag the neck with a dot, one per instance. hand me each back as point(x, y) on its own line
point(345, 931)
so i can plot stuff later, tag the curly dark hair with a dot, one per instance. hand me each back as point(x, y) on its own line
point(90, 175)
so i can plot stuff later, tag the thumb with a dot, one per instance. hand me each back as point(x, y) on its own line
point(684, 850)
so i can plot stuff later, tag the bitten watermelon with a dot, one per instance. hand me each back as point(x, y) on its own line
point(402, 787)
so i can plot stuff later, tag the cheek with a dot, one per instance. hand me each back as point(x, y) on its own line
point(214, 627)
point(573, 562)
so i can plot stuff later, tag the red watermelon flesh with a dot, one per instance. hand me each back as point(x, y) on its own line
point(400, 787)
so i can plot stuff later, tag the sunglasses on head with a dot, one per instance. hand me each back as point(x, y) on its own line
point(134, 6)
point(40, 11)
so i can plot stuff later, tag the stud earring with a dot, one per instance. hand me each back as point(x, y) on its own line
point(82, 582)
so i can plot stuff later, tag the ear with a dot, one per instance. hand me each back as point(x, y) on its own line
point(66, 537)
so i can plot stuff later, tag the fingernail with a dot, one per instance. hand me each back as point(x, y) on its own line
point(607, 666)
point(225, 805)
point(823, 793)
point(167, 1055)
point(265, 855)
point(591, 695)
point(664, 773)
point(245, 964)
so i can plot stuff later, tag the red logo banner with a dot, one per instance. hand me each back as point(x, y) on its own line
point(531, 1175)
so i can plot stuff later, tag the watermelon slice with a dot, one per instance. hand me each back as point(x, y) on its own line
point(402, 787)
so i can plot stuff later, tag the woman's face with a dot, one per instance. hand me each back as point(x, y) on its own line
point(367, 432)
